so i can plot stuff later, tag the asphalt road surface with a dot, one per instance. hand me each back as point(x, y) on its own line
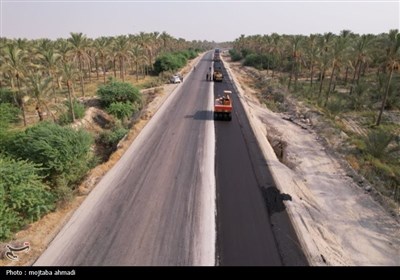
point(157, 205)
point(253, 227)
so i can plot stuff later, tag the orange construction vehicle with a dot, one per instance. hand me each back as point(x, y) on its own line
point(223, 107)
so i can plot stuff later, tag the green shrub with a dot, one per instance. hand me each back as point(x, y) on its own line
point(6, 96)
point(122, 110)
point(62, 151)
point(24, 198)
point(335, 106)
point(169, 62)
point(377, 143)
point(259, 61)
point(173, 61)
point(118, 92)
point(79, 111)
point(8, 114)
point(112, 138)
point(235, 55)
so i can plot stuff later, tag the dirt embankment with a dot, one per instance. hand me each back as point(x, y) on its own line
point(336, 218)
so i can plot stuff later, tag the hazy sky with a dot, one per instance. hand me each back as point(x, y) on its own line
point(194, 20)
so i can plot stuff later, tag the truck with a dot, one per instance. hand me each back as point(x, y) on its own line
point(217, 75)
point(223, 107)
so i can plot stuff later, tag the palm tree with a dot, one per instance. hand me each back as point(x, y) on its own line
point(90, 51)
point(69, 73)
point(39, 87)
point(312, 53)
point(276, 49)
point(324, 45)
point(339, 47)
point(50, 61)
point(392, 63)
point(296, 54)
point(15, 63)
point(361, 49)
point(63, 48)
point(138, 57)
point(166, 39)
point(145, 42)
point(102, 45)
point(78, 43)
point(2, 63)
point(121, 47)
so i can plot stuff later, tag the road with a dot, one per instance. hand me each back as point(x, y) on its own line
point(156, 206)
point(253, 227)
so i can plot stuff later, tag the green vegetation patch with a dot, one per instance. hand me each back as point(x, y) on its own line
point(62, 152)
point(24, 197)
point(118, 92)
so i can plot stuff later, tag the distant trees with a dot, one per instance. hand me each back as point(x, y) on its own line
point(392, 61)
point(344, 59)
point(65, 63)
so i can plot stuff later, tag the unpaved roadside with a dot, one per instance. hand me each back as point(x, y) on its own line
point(337, 222)
point(41, 233)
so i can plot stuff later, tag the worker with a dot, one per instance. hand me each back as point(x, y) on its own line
point(207, 77)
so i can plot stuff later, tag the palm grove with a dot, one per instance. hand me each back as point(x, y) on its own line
point(345, 75)
point(42, 157)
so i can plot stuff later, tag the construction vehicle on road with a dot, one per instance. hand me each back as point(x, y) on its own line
point(223, 107)
point(217, 75)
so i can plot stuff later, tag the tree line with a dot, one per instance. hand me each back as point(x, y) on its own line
point(329, 60)
point(38, 68)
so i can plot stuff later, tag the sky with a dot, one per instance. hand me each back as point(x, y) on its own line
point(217, 21)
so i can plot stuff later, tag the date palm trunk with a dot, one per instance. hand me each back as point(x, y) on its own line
point(378, 121)
point(70, 101)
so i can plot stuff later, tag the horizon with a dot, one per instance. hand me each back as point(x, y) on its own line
point(213, 21)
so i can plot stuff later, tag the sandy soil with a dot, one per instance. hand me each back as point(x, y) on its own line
point(338, 222)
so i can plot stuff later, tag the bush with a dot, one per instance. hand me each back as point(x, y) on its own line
point(6, 96)
point(63, 152)
point(79, 111)
point(189, 54)
point(23, 196)
point(8, 114)
point(259, 61)
point(111, 138)
point(377, 143)
point(335, 106)
point(173, 61)
point(118, 92)
point(169, 62)
point(235, 55)
point(122, 111)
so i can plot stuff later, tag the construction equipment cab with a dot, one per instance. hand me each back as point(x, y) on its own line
point(223, 107)
point(217, 75)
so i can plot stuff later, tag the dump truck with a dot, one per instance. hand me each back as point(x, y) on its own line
point(223, 107)
point(217, 75)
